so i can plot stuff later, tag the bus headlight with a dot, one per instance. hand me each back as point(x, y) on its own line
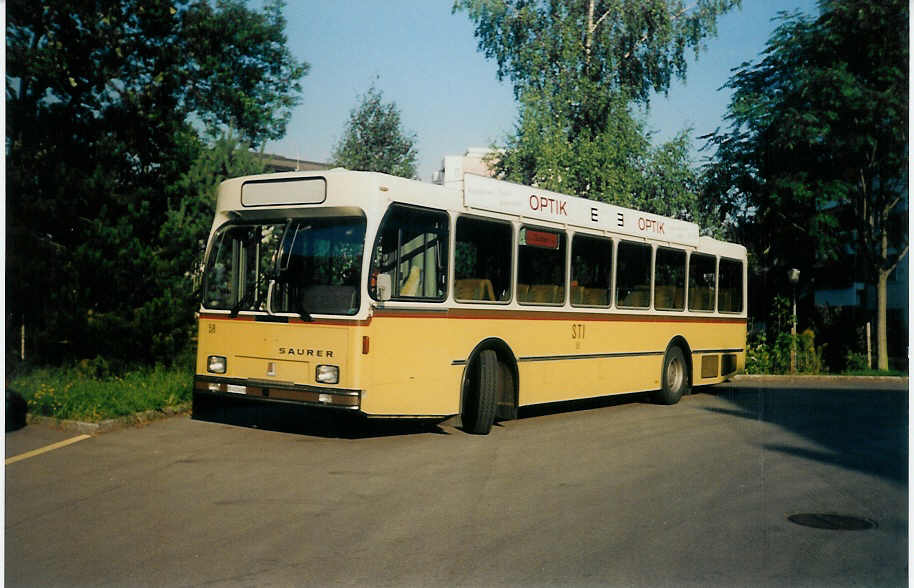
point(327, 374)
point(215, 364)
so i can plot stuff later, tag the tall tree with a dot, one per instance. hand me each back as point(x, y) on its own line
point(107, 105)
point(373, 139)
point(579, 68)
point(816, 127)
point(616, 164)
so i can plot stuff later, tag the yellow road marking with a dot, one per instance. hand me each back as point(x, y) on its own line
point(46, 448)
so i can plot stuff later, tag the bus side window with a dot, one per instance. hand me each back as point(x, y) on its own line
point(541, 266)
point(591, 265)
point(669, 279)
point(701, 282)
point(633, 275)
point(411, 247)
point(730, 293)
point(482, 260)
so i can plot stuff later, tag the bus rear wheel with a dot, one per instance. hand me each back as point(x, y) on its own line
point(480, 394)
point(674, 377)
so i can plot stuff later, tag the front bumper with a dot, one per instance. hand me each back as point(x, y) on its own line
point(280, 392)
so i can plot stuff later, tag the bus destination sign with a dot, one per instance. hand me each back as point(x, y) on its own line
point(486, 193)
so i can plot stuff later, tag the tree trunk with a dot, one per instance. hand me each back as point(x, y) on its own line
point(881, 337)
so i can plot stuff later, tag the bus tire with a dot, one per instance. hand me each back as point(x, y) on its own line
point(479, 403)
point(674, 377)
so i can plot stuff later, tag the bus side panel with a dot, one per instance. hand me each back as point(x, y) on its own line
point(584, 357)
point(408, 369)
point(579, 358)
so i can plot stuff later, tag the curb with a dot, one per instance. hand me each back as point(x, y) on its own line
point(816, 379)
point(108, 425)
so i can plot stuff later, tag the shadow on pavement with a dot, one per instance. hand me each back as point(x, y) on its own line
point(305, 420)
point(586, 404)
point(860, 429)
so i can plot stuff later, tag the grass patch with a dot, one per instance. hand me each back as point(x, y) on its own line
point(70, 393)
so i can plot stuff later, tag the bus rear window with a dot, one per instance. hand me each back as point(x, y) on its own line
point(701, 282)
point(730, 293)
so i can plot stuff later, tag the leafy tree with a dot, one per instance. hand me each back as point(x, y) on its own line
point(578, 69)
point(616, 164)
point(178, 261)
point(107, 106)
point(631, 45)
point(815, 155)
point(373, 139)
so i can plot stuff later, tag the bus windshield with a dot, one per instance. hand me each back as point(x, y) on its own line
point(299, 266)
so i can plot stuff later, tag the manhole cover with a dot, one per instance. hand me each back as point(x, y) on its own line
point(831, 522)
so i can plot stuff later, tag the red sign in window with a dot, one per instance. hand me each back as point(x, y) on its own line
point(541, 239)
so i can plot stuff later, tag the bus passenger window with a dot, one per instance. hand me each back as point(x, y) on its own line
point(633, 275)
point(591, 263)
point(482, 260)
point(669, 279)
point(541, 267)
point(730, 293)
point(411, 247)
point(702, 271)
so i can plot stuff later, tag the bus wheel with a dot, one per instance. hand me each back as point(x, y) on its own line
point(674, 378)
point(479, 402)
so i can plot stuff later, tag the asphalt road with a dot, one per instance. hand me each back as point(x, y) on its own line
point(619, 493)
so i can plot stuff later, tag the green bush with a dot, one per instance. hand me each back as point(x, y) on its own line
point(765, 358)
point(855, 362)
point(758, 355)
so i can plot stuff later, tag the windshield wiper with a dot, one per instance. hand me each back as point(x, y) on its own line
point(301, 311)
point(246, 300)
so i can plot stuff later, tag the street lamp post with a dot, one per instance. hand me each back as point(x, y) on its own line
point(793, 276)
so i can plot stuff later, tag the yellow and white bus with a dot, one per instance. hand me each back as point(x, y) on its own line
point(396, 298)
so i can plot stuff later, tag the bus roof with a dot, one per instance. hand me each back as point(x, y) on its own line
point(370, 190)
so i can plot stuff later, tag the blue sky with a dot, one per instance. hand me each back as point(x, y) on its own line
point(425, 59)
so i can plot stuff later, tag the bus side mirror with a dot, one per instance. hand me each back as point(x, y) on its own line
point(384, 287)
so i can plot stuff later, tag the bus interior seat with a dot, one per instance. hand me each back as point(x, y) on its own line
point(639, 297)
point(701, 299)
point(727, 298)
point(474, 289)
point(668, 297)
point(595, 296)
point(545, 294)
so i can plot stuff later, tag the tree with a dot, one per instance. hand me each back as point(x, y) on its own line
point(617, 164)
point(819, 127)
point(373, 139)
point(108, 106)
point(178, 259)
point(578, 70)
